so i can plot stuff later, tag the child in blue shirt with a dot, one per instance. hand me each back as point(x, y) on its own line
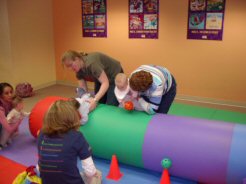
point(60, 144)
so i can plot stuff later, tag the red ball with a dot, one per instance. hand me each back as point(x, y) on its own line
point(38, 112)
point(129, 106)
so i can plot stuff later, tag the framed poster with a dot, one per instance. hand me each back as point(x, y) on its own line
point(206, 19)
point(94, 18)
point(143, 19)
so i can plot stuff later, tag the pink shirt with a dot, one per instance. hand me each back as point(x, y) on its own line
point(5, 107)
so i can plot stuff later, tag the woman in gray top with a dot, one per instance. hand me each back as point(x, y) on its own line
point(96, 67)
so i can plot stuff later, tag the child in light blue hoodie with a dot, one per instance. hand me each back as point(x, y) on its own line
point(82, 105)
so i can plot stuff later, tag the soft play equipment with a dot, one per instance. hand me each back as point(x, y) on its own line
point(28, 176)
point(114, 171)
point(38, 112)
point(166, 164)
point(201, 150)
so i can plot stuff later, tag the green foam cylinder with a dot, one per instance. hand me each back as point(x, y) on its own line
point(112, 130)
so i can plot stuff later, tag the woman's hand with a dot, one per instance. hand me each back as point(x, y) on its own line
point(93, 103)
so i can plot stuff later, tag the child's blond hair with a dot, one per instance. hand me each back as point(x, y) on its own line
point(120, 78)
point(16, 100)
point(60, 118)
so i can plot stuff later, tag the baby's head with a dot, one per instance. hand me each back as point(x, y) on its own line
point(80, 92)
point(17, 103)
point(121, 81)
point(74, 103)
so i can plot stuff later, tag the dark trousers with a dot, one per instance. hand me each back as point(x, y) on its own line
point(109, 98)
point(167, 99)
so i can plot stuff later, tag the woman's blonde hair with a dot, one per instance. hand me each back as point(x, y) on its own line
point(60, 118)
point(71, 55)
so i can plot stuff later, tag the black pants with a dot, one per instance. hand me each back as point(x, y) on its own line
point(167, 99)
point(109, 97)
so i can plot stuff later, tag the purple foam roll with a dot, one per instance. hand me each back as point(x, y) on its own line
point(199, 149)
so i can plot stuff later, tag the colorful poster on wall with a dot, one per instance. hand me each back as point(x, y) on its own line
point(94, 18)
point(143, 19)
point(205, 19)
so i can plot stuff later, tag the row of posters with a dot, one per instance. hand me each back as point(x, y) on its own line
point(205, 19)
point(143, 18)
point(94, 17)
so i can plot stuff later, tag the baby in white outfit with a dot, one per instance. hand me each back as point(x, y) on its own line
point(16, 115)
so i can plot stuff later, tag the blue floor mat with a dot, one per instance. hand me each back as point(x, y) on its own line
point(134, 175)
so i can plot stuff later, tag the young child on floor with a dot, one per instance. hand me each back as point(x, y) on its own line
point(81, 103)
point(16, 115)
point(124, 93)
point(60, 144)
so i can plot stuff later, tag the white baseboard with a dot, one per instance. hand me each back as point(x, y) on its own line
point(211, 101)
point(67, 83)
point(90, 85)
point(45, 85)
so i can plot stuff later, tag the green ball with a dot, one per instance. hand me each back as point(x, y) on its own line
point(166, 163)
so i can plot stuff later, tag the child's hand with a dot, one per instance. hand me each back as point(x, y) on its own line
point(26, 113)
point(14, 119)
point(98, 175)
point(19, 120)
point(95, 179)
